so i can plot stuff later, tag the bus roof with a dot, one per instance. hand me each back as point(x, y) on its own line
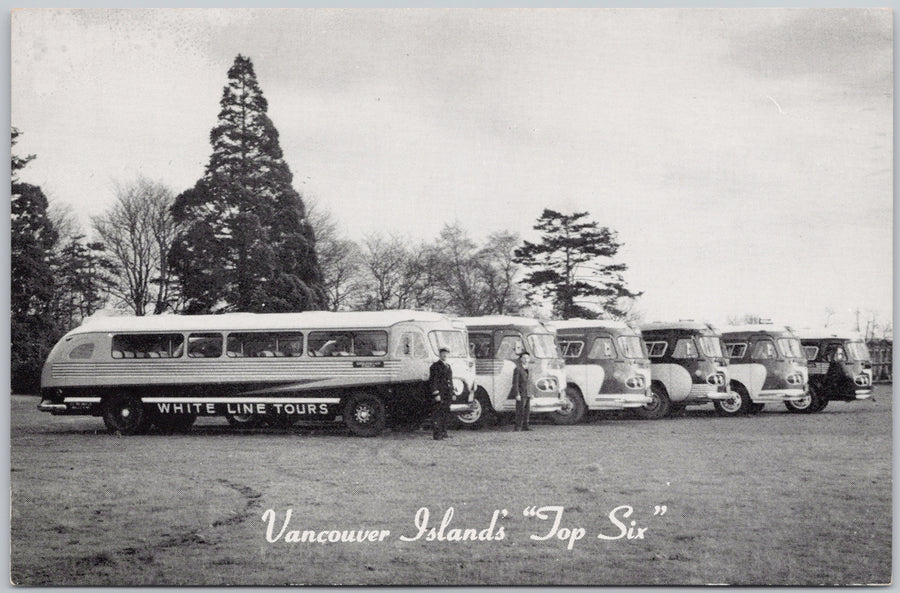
point(257, 321)
point(502, 321)
point(683, 325)
point(756, 328)
point(591, 323)
point(825, 333)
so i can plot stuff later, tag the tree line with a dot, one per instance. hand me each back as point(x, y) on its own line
point(243, 239)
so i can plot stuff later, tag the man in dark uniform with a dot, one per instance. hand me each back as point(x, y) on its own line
point(519, 391)
point(440, 378)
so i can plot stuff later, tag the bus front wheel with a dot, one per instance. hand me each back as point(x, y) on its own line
point(364, 415)
point(737, 405)
point(813, 402)
point(659, 406)
point(125, 415)
point(573, 407)
point(480, 413)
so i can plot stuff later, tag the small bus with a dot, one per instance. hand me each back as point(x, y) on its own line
point(840, 369)
point(687, 367)
point(767, 365)
point(607, 367)
point(496, 341)
point(366, 369)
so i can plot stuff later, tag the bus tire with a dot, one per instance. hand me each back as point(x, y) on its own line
point(174, 423)
point(364, 414)
point(809, 404)
point(659, 407)
point(737, 405)
point(573, 407)
point(125, 415)
point(481, 413)
point(243, 420)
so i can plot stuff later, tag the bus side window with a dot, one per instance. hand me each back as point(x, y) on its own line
point(656, 349)
point(481, 345)
point(735, 349)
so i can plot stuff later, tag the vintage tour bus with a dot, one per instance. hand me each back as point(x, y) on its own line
point(840, 369)
point(367, 369)
point(687, 367)
point(607, 367)
point(495, 342)
point(766, 364)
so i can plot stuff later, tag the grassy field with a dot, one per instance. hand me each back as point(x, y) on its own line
point(774, 499)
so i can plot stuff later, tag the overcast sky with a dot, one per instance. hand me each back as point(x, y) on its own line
point(743, 156)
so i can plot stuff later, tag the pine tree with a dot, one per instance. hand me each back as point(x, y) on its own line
point(568, 269)
point(247, 244)
point(33, 327)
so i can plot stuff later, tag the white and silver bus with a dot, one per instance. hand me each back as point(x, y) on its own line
point(367, 369)
point(496, 341)
point(607, 367)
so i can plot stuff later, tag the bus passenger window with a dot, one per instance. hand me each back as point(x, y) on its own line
point(204, 345)
point(82, 351)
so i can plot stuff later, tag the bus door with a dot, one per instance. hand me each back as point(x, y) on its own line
point(486, 368)
point(412, 355)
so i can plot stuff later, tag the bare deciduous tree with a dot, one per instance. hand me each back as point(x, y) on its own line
point(138, 231)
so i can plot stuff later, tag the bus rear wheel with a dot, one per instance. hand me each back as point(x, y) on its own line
point(364, 415)
point(573, 407)
point(125, 415)
point(660, 404)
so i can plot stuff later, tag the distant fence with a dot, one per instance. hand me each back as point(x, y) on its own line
point(882, 352)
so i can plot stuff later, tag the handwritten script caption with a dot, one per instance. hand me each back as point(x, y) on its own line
point(548, 521)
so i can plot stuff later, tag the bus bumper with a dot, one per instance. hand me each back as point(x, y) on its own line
point(779, 395)
point(545, 405)
point(620, 401)
point(55, 409)
point(863, 393)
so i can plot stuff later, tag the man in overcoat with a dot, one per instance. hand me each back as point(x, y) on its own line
point(440, 379)
point(519, 391)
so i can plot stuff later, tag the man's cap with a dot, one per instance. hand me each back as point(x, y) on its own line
point(443, 349)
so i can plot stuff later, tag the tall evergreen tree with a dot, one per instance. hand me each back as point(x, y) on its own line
point(247, 244)
point(568, 266)
point(33, 327)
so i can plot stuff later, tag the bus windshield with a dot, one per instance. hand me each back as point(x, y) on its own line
point(542, 346)
point(453, 340)
point(710, 346)
point(857, 351)
point(632, 347)
point(790, 347)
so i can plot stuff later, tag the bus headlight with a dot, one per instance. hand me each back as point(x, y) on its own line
point(862, 380)
point(635, 382)
point(459, 386)
point(796, 379)
point(547, 384)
